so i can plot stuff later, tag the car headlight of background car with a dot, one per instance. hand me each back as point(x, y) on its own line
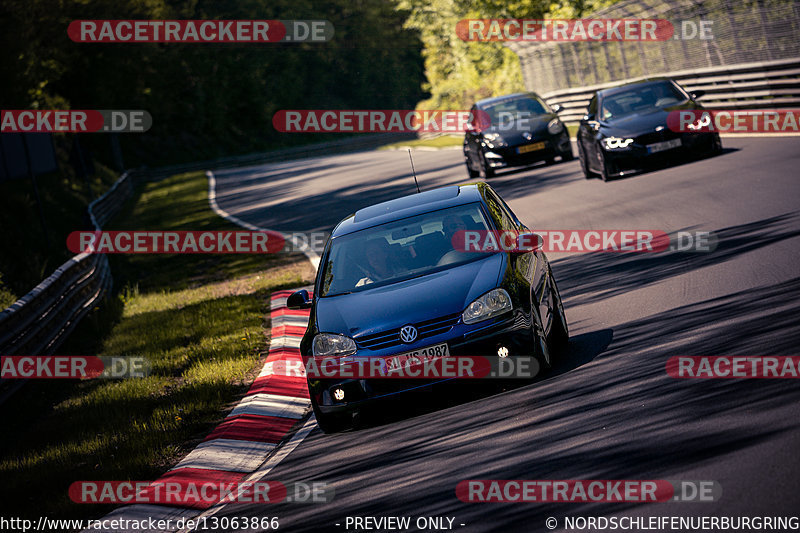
point(494, 140)
point(327, 344)
point(614, 143)
point(493, 303)
point(701, 122)
point(555, 126)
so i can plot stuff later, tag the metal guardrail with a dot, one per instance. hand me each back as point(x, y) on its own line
point(37, 323)
point(768, 84)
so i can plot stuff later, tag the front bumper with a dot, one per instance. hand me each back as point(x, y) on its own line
point(512, 331)
point(635, 158)
point(509, 156)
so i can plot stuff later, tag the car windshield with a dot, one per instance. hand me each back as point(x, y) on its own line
point(643, 98)
point(398, 250)
point(519, 109)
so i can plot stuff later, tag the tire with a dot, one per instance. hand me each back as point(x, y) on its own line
point(327, 423)
point(486, 171)
point(605, 167)
point(567, 156)
point(716, 145)
point(559, 331)
point(588, 174)
point(472, 173)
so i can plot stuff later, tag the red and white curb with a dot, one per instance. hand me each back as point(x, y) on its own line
point(240, 448)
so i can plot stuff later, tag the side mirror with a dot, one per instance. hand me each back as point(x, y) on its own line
point(528, 242)
point(697, 94)
point(556, 108)
point(299, 300)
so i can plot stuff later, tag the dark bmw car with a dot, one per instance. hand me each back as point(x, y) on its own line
point(514, 130)
point(625, 128)
point(390, 281)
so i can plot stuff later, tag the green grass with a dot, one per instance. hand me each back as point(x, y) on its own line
point(443, 141)
point(199, 320)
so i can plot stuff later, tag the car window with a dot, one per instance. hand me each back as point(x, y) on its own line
point(518, 109)
point(398, 250)
point(642, 98)
point(593, 106)
point(500, 212)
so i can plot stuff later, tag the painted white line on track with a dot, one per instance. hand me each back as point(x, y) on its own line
point(267, 467)
point(212, 200)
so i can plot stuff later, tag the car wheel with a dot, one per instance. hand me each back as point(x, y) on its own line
point(605, 167)
point(486, 171)
point(588, 174)
point(327, 423)
point(470, 171)
point(540, 346)
point(567, 156)
point(550, 161)
point(559, 332)
point(716, 145)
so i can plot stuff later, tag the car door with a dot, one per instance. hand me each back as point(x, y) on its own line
point(530, 267)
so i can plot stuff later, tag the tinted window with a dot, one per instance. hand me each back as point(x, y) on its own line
point(637, 99)
point(398, 250)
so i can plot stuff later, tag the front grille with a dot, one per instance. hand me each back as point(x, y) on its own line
point(657, 136)
point(425, 329)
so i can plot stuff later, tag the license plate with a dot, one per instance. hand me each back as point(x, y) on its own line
point(404, 360)
point(665, 145)
point(530, 148)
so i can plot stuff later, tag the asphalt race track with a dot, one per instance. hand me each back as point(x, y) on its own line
point(608, 410)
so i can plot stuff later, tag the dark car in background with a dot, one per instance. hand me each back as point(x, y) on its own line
point(625, 128)
point(391, 282)
point(514, 130)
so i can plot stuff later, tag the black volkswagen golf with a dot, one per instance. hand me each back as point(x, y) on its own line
point(514, 130)
point(392, 282)
point(626, 126)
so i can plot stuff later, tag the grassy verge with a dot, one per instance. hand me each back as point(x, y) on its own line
point(199, 320)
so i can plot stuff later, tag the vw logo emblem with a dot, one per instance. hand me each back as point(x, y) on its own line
point(408, 334)
point(527, 135)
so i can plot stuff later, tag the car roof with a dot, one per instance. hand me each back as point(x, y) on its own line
point(506, 98)
point(626, 86)
point(411, 205)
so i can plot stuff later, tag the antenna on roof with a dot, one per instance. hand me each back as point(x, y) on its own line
point(413, 172)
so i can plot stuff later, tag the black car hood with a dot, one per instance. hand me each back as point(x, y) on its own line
point(512, 132)
point(644, 122)
point(414, 300)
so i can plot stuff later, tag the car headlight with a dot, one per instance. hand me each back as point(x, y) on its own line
point(493, 303)
point(555, 126)
point(612, 143)
point(327, 344)
point(701, 122)
point(494, 139)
